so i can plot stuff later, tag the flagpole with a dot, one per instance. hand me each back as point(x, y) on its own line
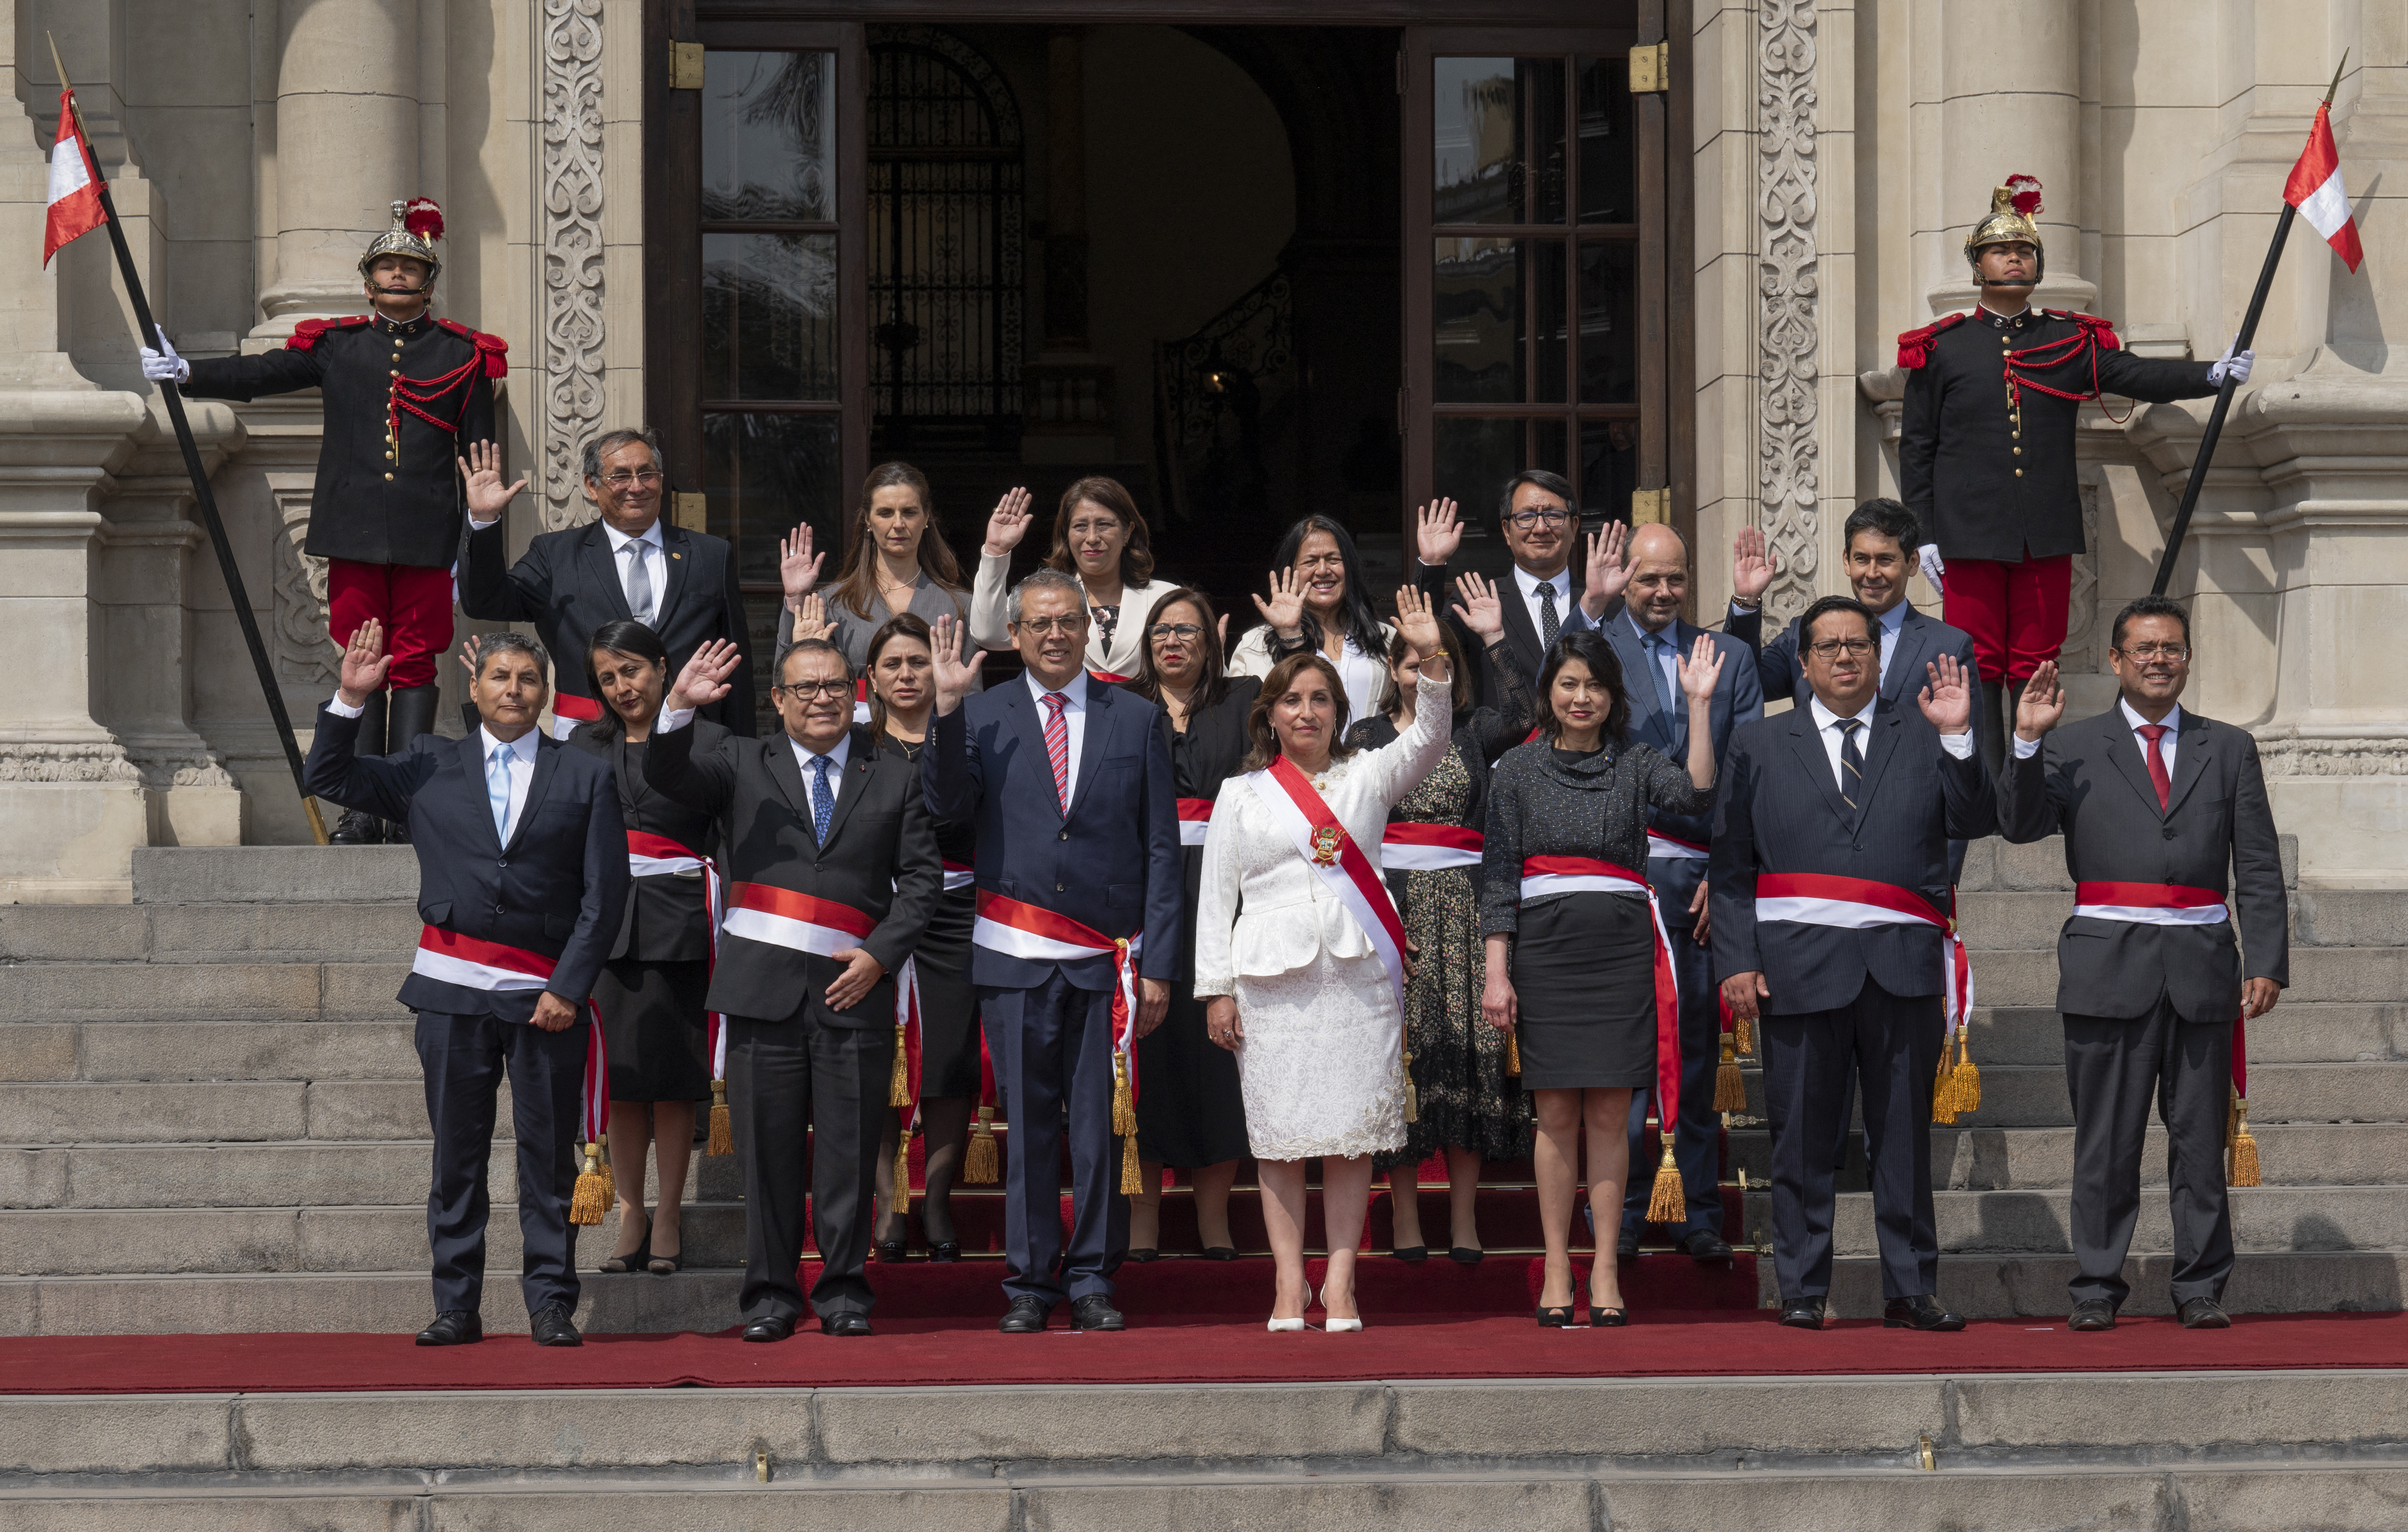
point(201, 495)
point(2224, 394)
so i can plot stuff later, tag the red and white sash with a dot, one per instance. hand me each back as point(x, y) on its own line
point(651, 855)
point(861, 701)
point(1326, 848)
point(569, 711)
point(1040, 936)
point(1857, 904)
point(2150, 904)
point(1543, 874)
point(959, 875)
point(473, 963)
point(1194, 817)
point(1661, 844)
point(1406, 847)
point(799, 921)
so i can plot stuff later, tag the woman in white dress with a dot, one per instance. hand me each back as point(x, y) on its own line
point(1299, 990)
point(1099, 540)
point(1320, 604)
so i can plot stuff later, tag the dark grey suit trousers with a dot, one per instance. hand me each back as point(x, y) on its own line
point(464, 1059)
point(799, 1091)
point(2114, 1065)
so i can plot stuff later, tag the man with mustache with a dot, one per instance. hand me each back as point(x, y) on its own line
point(1985, 449)
point(403, 393)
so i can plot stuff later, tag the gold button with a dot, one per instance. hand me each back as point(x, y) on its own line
point(2019, 473)
point(389, 478)
point(2018, 436)
point(2019, 452)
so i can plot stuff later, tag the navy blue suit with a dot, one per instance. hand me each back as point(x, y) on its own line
point(558, 889)
point(1696, 1139)
point(1113, 864)
point(1864, 1001)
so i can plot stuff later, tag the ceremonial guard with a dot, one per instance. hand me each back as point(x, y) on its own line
point(1986, 450)
point(403, 392)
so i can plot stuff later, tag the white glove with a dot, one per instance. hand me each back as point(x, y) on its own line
point(1928, 556)
point(163, 365)
point(2230, 366)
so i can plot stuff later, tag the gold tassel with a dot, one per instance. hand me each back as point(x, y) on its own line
point(1967, 1082)
point(609, 1182)
point(1131, 1181)
point(898, 1085)
point(1514, 1052)
point(1743, 1034)
point(1123, 1100)
point(982, 1166)
point(1730, 1091)
point(902, 1169)
point(1943, 1091)
point(593, 1192)
point(2244, 1147)
point(1668, 1203)
point(1412, 1098)
point(722, 1128)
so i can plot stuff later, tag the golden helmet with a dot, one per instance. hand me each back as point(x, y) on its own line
point(2012, 208)
point(417, 224)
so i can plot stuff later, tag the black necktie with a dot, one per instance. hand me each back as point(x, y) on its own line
point(1852, 760)
point(1549, 623)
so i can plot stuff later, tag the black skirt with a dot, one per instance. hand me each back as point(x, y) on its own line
point(653, 1027)
point(948, 1030)
point(1585, 983)
point(1190, 1112)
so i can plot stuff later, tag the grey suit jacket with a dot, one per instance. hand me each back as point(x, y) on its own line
point(1921, 639)
point(1736, 700)
point(2090, 780)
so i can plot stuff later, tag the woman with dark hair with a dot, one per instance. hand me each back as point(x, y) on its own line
point(1099, 538)
point(1189, 1114)
point(1302, 963)
point(650, 995)
point(1573, 934)
point(1320, 604)
point(1469, 1105)
point(902, 693)
point(896, 560)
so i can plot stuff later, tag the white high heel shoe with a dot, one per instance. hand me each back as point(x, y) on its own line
point(1333, 1325)
point(1281, 1327)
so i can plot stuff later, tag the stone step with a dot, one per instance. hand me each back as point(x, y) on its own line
point(2035, 1094)
point(207, 932)
point(242, 1112)
point(182, 992)
point(1974, 1159)
point(2024, 920)
point(382, 1302)
point(2003, 1286)
point(64, 1051)
point(272, 874)
point(2300, 1032)
point(2365, 975)
point(305, 1174)
point(2265, 1220)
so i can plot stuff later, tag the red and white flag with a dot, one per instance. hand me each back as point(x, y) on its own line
point(2314, 189)
point(75, 196)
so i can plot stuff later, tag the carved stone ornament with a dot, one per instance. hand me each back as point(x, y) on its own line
point(572, 251)
point(49, 761)
point(1789, 482)
point(2080, 654)
point(304, 654)
point(2327, 758)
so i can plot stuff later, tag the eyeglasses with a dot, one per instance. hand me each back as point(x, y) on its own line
point(622, 481)
point(1831, 648)
point(1043, 625)
point(1173, 630)
point(1554, 516)
point(2145, 652)
point(808, 690)
point(1323, 561)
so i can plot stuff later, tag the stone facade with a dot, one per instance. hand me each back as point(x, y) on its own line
point(1840, 148)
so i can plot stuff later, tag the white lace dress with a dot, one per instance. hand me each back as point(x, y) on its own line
point(1321, 1067)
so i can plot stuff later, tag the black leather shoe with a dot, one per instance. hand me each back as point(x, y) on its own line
point(357, 829)
point(1705, 1245)
point(2205, 1314)
point(1143, 1257)
point(1803, 1313)
point(770, 1328)
point(1096, 1312)
point(844, 1324)
point(1627, 1247)
point(945, 1251)
point(2092, 1314)
point(1026, 1316)
point(1919, 1313)
point(1412, 1255)
point(891, 1252)
point(552, 1326)
point(453, 1328)
point(1466, 1255)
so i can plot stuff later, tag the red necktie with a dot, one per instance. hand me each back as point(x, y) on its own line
point(2157, 778)
point(1057, 747)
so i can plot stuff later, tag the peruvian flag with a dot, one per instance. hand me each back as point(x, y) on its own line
point(2314, 189)
point(75, 196)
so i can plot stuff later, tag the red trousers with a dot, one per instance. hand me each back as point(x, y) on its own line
point(413, 604)
point(2014, 613)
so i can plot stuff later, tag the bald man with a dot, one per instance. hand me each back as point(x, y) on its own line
point(1649, 637)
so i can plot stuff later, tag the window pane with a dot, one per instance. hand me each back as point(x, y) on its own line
point(1474, 458)
point(762, 611)
point(768, 316)
point(1609, 468)
point(1547, 445)
point(763, 474)
point(1482, 112)
point(768, 135)
point(1548, 300)
point(1476, 322)
point(1609, 323)
point(1608, 191)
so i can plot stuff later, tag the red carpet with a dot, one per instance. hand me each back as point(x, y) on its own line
point(921, 1351)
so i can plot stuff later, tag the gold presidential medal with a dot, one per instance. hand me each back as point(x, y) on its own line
point(1325, 843)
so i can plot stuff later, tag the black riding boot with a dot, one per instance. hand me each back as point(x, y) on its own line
point(356, 828)
point(413, 714)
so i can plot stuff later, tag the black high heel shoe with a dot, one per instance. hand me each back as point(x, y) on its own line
point(945, 1251)
point(892, 1252)
point(1466, 1255)
point(1412, 1255)
point(636, 1259)
point(1555, 1316)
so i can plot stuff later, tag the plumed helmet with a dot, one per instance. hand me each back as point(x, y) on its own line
point(2012, 208)
point(417, 224)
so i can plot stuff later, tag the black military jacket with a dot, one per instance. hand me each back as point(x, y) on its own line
point(401, 403)
point(1986, 450)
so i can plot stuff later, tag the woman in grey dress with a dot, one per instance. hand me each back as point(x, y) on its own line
point(1571, 973)
point(896, 560)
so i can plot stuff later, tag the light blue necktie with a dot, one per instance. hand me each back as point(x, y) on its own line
point(1656, 650)
point(823, 800)
point(497, 789)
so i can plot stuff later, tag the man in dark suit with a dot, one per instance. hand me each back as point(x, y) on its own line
point(833, 873)
point(1540, 523)
point(522, 877)
point(1831, 901)
point(2155, 803)
point(629, 563)
point(1647, 635)
point(1070, 785)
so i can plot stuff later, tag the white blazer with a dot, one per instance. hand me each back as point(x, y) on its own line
point(991, 630)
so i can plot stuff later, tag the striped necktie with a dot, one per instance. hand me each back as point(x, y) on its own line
point(1852, 761)
point(1057, 747)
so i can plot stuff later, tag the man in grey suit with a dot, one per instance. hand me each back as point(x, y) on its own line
point(1831, 902)
point(2155, 803)
point(1648, 637)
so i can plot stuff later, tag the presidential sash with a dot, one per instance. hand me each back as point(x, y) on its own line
point(1336, 860)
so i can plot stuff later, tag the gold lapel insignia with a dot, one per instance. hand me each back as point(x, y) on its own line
point(1326, 842)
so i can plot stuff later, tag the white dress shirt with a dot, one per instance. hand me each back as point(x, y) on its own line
point(1560, 581)
point(1668, 654)
point(2026, 748)
point(1074, 714)
point(804, 756)
point(1827, 723)
point(522, 763)
point(647, 546)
